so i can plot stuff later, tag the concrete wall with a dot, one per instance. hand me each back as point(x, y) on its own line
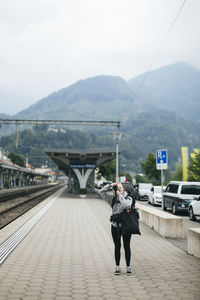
point(194, 241)
point(165, 224)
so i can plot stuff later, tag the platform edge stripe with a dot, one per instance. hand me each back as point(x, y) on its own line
point(11, 243)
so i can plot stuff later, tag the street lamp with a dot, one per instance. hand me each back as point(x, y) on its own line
point(117, 136)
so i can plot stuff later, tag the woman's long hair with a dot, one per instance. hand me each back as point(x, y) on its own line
point(129, 188)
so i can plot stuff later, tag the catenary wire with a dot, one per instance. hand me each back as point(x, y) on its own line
point(160, 49)
point(8, 103)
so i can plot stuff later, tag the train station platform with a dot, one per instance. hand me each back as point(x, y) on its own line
point(69, 254)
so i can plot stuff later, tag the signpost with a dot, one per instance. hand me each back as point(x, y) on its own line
point(123, 179)
point(162, 164)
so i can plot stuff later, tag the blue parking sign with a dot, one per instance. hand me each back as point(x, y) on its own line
point(161, 159)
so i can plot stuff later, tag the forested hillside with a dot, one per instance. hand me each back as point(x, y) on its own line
point(140, 135)
point(33, 142)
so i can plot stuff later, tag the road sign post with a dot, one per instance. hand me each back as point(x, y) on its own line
point(162, 164)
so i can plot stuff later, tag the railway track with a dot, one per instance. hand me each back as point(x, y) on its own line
point(12, 209)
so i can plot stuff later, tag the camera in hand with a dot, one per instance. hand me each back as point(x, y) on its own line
point(115, 188)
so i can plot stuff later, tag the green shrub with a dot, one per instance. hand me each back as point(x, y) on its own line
point(83, 191)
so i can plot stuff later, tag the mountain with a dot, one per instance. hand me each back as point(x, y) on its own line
point(4, 116)
point(94, 98)
point(163, 113)
point(174, 88)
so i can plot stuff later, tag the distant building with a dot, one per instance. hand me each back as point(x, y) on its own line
point(12, 175)
point(47, 171)
point(30, 167)
point(52, 129)
point(62, 130)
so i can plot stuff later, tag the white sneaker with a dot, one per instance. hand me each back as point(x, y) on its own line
point(128, 271)
point(117, 271)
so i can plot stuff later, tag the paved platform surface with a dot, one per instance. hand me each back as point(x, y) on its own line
point(69, 254)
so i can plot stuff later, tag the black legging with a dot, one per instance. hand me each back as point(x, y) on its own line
point(116, 235)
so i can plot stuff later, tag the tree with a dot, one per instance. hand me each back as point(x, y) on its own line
point(108, 170)
point(194, 167)
point(149, 169)
point(141, 179)
point(178, 174)
point(17, 159)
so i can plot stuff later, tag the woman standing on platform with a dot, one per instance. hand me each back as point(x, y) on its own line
point(121, 200)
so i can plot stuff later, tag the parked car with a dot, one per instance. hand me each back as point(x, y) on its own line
point(155, 195)
point(179, 194)
point(194, 209)
point(144, 191)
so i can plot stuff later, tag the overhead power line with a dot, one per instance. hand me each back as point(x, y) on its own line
point(18, 122)
point(7, 102)
point(160, 49)
point(60, 122)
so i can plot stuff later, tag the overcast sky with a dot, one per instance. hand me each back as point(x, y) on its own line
point(47, 45)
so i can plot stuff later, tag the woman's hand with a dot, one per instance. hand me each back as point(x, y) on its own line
point(114, 188)
point(112, 184)
point(117, 188)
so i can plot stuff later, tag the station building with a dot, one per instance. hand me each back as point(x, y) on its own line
point(12, 175)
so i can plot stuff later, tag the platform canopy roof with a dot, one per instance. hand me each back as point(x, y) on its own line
point(66, 159)
point(6, 166)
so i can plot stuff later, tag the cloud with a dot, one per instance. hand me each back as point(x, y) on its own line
point(49, 44)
